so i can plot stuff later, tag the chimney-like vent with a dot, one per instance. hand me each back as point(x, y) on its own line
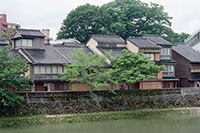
point(46, 32)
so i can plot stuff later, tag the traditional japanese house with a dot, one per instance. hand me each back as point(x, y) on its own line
point(187, 65)
point(152, 50)
point(169, 79)
point(45, 62)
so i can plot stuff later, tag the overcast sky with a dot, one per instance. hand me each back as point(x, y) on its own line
point(41, 14)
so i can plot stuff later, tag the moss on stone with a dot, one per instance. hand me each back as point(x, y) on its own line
point(81, 117)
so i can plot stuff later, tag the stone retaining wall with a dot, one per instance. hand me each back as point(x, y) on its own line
point(48, 103)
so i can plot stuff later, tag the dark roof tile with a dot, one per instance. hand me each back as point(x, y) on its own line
point(67, 50)
point(187, 52)
point(143, 42)
point(30, 32)
point(157, 39)
point(112, 39)
point(48, 55)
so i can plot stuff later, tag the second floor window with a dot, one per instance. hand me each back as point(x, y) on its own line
point(48, 69)
point(165, 53)
point(151, 55)
point(169, 70)
point(24, 43)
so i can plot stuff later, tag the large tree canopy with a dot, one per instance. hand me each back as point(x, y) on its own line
point(81, 23)
point(120, 17)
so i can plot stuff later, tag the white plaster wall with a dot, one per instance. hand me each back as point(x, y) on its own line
point(131, 47)
point(197, 47)
point(92, 45)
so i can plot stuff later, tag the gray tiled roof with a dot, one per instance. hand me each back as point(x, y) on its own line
point(15, 52)
point(112, 39)
point(67, 50)
point(142, 42)
point(115, 51)
point(30, 32)
point(187, 52)
point(157, 39)
point(48, 55)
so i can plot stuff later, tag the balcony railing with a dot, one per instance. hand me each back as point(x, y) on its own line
point(167, 74)
point(46, 76)
point(165, 57)
point(195, 70)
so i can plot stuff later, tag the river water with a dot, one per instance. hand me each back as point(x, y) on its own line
point(149, 125)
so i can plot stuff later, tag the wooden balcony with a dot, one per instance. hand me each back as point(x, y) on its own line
point(46, 76)
point(168, 74)
point(195, 69)
point(165, 57)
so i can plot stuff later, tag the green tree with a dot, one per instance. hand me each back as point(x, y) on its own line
point(135, 18)
point(120, 17)
point(88, 68)
point(8, 35)
point(176, 37)
point(133, 67)
point(81, 23)
point(12, 70)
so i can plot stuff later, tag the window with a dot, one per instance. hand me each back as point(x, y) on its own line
point(24, 43)
point(165, 53)
point(42, 69)
point(169, 70)
point(151, 55)
point(48, 69)
point(29, 43)
point(36, 69)
point(18, 43)
point(65, 68)
point(60, 69)
point(54, 69)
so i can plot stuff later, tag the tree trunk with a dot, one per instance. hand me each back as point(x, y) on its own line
point(129, 86)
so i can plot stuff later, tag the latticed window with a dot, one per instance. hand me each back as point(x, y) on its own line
point(24, 43)
point(165, 53)
point(48, 69)
point(169, 70)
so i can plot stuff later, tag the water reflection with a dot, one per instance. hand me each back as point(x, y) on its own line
point(153, 125)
